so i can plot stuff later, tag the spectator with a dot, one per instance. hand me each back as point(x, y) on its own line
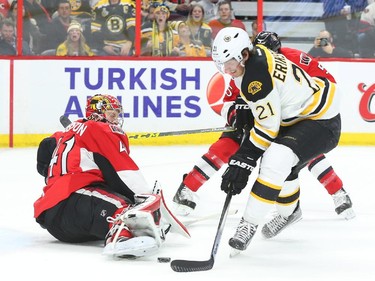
point(210, 9)
point(159, 37)
point(4, 8)
point(37, 11)
point(366, 32)
point(50, 6)
point(187, 46)
point(75, 44)
point(224, 19)
point(113, 27)
point(325, 48)
point(81, 9)
point(82, 12)
point(254, 30)
point(30, 32)
point(342, 23)
point(179, 9)
point(8, 42)
point(148, 12)
point(56, 32)
point(199, 30)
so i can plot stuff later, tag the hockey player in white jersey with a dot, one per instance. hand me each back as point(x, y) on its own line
point(296, 118)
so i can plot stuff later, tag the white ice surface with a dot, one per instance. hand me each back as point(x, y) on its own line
point(322, 246)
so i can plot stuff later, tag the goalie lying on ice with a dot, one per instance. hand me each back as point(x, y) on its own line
point(95, 191)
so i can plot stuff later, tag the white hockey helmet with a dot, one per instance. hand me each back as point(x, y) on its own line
point(228, 44)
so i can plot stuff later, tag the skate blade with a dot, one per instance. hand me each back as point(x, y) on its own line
point(234, 252)
point(348, 214)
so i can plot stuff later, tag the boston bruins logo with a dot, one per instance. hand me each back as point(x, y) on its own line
point(115, 24)
point(76, 4)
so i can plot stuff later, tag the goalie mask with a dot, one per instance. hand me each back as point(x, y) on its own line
point(104, 108)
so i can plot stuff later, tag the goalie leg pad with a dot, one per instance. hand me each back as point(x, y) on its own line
point(132, 248)
point(176, 225)
point(143, 219)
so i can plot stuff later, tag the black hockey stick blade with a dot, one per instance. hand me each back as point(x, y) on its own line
point(191, 266)
point(64, 120)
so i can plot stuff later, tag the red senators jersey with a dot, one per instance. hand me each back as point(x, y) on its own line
point(307, 63)
point(89, 153)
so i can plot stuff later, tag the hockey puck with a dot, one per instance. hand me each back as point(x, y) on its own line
point(164, 259)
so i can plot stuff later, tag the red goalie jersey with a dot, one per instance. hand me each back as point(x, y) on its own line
point(79, 160)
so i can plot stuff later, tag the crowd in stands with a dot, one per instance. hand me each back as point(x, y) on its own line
point(169, 28)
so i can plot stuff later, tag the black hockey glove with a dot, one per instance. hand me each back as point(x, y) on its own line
point(239, 115)
point(237, 174)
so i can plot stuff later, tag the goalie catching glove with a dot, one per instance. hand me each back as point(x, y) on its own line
point(237, 174)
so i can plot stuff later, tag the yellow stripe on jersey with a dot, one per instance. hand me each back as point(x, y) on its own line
point(320, 103)
point(262, 137)
point(259, 141)
point(331, 89)
point(270, 60)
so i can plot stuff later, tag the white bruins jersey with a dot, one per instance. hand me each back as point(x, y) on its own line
point(281, 94)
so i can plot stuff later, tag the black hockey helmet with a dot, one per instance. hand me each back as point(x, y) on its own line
point(269, 39)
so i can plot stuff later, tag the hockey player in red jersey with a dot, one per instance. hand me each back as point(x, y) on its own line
point(236, 113)
point(95, 191)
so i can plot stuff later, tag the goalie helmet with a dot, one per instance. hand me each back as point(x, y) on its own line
point(269, 39)
point(98, 105)
point(229, 44)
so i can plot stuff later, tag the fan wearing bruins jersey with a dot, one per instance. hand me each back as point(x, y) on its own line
point(113, 27)
point(296, 118)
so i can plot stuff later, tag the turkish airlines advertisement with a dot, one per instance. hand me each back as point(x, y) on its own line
point(156, 95)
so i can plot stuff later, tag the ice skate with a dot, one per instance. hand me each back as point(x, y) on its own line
point(343, 204)
point(184, 201)
point(279, 223)
point(242, 238)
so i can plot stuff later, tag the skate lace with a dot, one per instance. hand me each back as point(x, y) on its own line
point(277, 223)
point(117, 224)
point(244, 231)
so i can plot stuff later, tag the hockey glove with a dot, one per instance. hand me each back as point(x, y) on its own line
point(237, 174)
point(244, 117)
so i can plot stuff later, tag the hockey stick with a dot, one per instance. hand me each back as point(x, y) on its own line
point(191, 221)
point(190, 266)
point(178, 133)
point(66, 122)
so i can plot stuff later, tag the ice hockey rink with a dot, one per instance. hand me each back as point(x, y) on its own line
point(322, 246)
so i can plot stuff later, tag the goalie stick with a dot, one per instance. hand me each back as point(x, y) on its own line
point(66, 122)
point(191, 266)
point(191, 221)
